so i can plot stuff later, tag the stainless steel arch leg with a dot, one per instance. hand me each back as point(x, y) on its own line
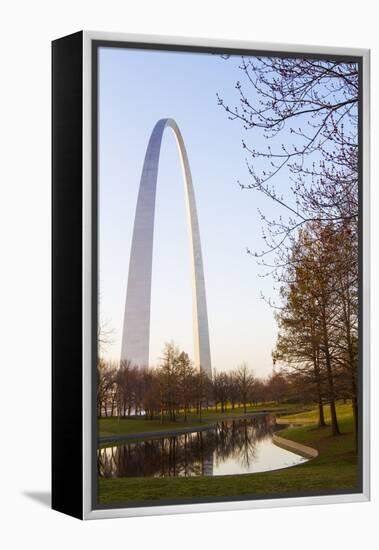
point(136, 330)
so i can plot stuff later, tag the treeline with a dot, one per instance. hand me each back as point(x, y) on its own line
point(177, 388)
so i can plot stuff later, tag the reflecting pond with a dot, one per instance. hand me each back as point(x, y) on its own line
point(231, 447)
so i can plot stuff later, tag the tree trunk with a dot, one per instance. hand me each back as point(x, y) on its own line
point(321, 417)
point(316, 364)
point(332, 399)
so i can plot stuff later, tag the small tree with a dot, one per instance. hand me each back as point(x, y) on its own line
point(185, 373)
point(245, 381)
point(169, 380)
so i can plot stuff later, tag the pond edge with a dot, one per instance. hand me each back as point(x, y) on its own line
point(101, 440)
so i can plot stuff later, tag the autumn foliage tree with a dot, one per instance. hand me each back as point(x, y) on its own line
point(318, 320)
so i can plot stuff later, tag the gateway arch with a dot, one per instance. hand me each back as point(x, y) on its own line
point(136, 329)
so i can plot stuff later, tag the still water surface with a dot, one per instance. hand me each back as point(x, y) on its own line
point(232, 447)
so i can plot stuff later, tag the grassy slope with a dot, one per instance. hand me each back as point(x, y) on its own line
point(334, 469)
point(344, 411)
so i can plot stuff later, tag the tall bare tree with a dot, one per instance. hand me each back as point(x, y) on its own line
point(245, 381)
point(307, 109)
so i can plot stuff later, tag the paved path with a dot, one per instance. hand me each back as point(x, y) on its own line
point(295, 447)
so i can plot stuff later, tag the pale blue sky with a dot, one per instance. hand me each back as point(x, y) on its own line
point(137, 88)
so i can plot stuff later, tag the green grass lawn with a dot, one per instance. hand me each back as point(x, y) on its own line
point(269, 406)
point(125, 426)
point(334, 469)
point(344, 411)
point(109, 426)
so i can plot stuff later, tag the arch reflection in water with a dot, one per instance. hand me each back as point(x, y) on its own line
point(232, 447)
